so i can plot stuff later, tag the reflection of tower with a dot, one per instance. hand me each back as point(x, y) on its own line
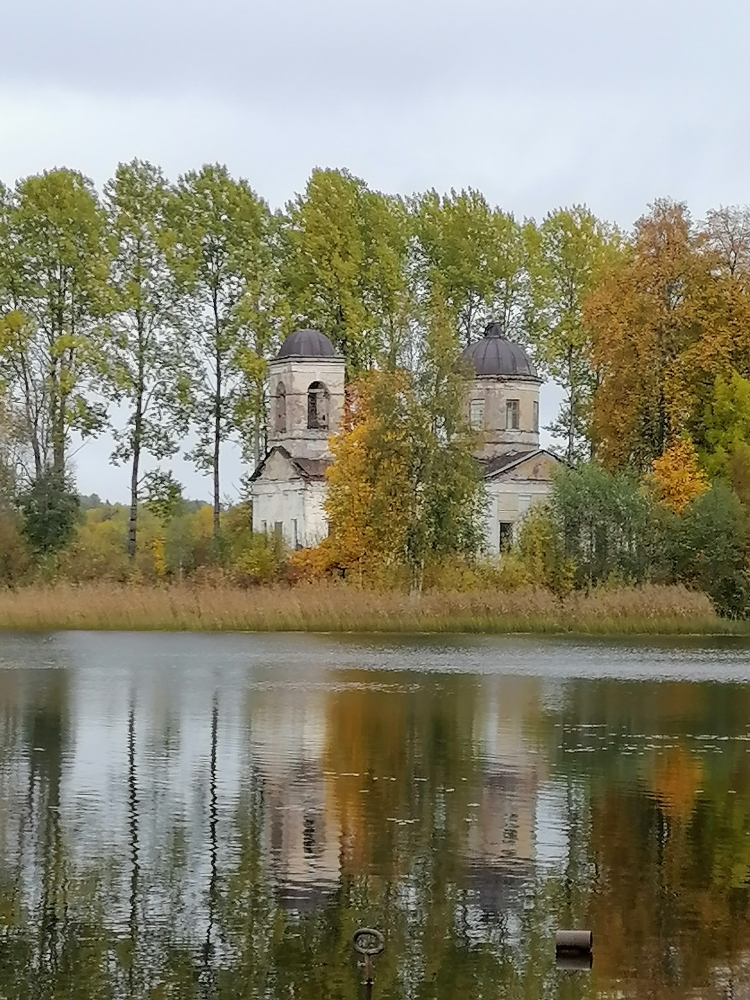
point(302, 838)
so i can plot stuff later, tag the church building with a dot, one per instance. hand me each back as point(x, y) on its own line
point(306, 393)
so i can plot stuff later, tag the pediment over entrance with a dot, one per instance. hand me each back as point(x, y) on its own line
point(279, 466)
point(534, 466)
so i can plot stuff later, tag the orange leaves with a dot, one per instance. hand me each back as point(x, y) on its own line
point(664, 324)
point(369, 487)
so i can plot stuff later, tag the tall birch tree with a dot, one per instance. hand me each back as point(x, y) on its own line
point(475, 258)
point(147, 357)
point(51, 339)
point(220, 229)
point(574, 247)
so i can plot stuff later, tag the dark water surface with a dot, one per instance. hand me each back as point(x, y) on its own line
point(213, 816)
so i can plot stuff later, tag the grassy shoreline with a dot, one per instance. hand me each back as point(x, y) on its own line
point(648, 610)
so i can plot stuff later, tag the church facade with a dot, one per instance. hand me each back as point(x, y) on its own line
point(306, 396)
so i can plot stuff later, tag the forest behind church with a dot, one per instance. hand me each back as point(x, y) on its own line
point(149, 310)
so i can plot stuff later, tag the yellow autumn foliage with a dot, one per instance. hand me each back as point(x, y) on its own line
point(677, 476)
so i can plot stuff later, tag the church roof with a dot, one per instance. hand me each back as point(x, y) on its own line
point(310, 469)
point(506, 461)
point(307, 344)
point(494, 354)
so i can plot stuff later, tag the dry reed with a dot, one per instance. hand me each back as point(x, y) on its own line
point(338, 608)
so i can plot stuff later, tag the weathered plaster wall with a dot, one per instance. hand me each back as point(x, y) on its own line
point(494, 392)
point(297, 374)
point(511, 495)
point(282, 497)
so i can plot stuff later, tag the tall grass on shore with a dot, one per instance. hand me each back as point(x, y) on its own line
point(337, 608)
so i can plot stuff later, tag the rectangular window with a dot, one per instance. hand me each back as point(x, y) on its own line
point(536, 417)
point(506, 535)
point(294, 533)
point(264, 527)
point(512, 408)
point(477, 414)
point(278, 529)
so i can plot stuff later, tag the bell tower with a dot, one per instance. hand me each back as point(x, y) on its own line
point(306, 391)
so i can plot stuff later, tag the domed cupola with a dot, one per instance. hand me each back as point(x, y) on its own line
point(495, 355)
point(307, 344)
point(503, 396)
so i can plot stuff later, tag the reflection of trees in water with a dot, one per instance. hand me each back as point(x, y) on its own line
point(656, 851)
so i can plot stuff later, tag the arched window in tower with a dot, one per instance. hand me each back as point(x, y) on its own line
point(317, 406)
point(280, 421)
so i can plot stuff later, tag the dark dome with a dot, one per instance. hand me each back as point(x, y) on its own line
point(494, 355)
point(306, 344)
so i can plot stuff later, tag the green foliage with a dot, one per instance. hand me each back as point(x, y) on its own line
point(726, 420)
point(218, 254)
point(540, 550)
point(737, 471)
point(613, 530)
point(710, 547)
point(15, 560)
point(344, 267)
point(476, 258)
point(146, 354)
point(57, 290)
point(50, 508)
point(608, 523)
point(571, 252)
point(163, 495)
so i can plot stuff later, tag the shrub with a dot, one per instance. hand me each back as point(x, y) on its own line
point(540, 551)
point(709, 547)
point(608, 522)
point(50, 508)
point(15, 558)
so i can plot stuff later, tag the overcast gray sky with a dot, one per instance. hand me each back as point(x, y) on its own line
point(539, 103)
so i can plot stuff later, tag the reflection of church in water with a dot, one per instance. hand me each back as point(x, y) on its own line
point(306, 391)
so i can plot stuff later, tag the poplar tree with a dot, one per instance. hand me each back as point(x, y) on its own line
point(344, 267)
point(147, 368)
point(573, 249)
point(220, 229)
point(653, 316)
point(54, 275)
point(476, 259)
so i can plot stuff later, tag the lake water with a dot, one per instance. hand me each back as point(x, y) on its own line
point(214, 816)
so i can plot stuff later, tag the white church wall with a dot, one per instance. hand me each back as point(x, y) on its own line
point(507, 503)
point(315, 518)
point(279, 503)
point(295, 505)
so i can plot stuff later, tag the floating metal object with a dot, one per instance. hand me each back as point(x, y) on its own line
point(368, 942)
point(574, 949)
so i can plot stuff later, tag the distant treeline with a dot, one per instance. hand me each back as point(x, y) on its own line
point(169, 298)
